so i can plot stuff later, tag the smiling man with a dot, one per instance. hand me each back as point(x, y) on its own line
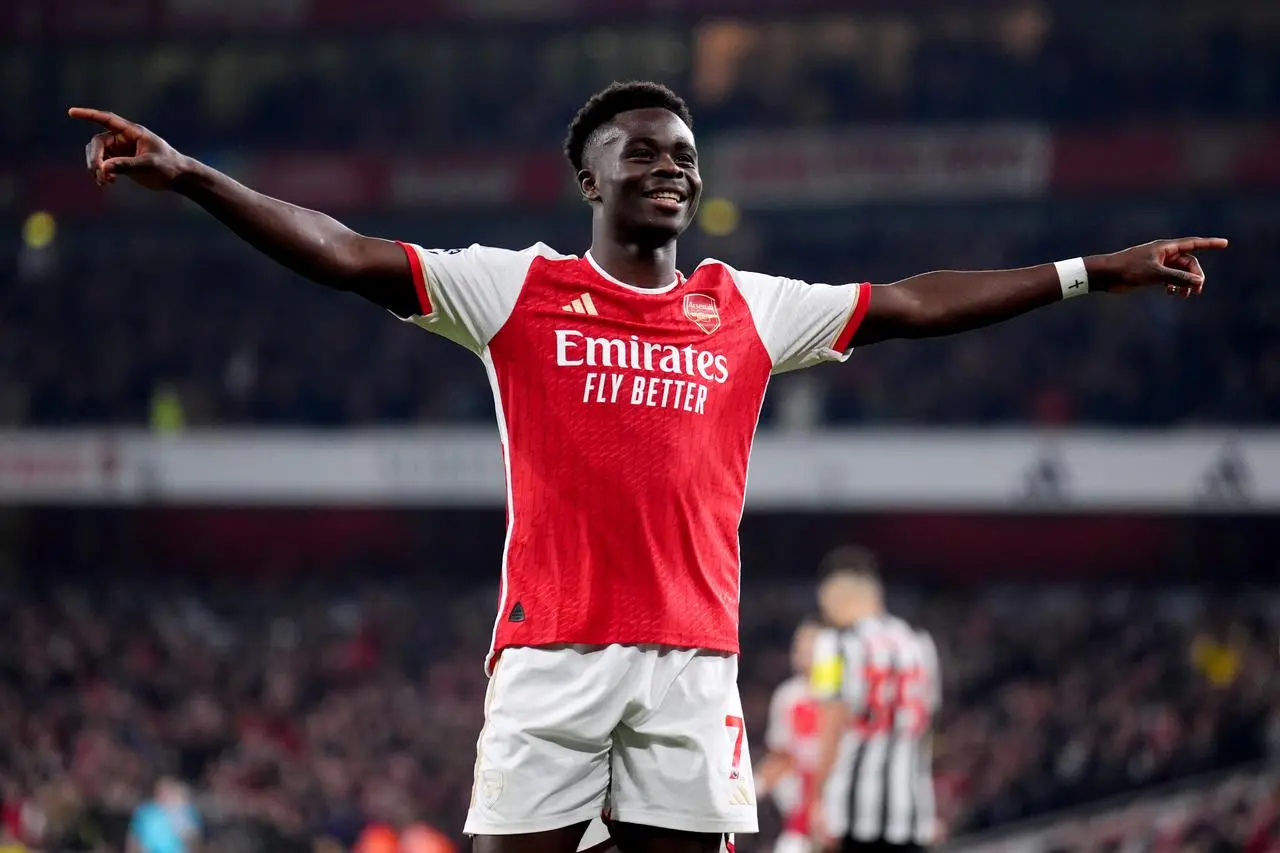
point(627, 396)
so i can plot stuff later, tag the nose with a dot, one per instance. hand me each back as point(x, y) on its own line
point(668, 167)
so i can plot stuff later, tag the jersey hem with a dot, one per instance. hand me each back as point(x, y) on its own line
point(859, 310)
point(705, 645)
point(419, 278)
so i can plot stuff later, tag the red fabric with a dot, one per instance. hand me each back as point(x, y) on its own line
point(624, 528)
point(804, 733)
point(855, 319)
point(419, 278)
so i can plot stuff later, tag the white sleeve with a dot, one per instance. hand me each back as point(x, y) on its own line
point(466, 295)
point(803, 324)
point(778, 735)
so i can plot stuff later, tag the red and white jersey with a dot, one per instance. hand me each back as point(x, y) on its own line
point(626, 416)
point(793, 730)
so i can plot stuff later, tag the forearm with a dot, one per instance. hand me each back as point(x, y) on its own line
point(833, 721)
point(947, 302)
point(774, 767)
point(310, 243)
point(826, 761)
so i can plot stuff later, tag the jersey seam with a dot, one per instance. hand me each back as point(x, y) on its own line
point(849, 316)
point(755, 324)
point(524, 283)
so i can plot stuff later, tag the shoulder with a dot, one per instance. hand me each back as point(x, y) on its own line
point(790, 691)
point(746, 280)
point(904, 626)
point(479, 252)
point(542, 250)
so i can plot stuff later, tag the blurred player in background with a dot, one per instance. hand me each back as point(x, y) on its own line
point(627, 396)
point(167, 823)
point(878, 681)
point(787, 772)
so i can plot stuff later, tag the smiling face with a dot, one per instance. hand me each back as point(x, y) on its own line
point(642, 169)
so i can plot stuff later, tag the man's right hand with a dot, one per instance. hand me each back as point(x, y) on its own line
point(308, 242)
point(125, 148)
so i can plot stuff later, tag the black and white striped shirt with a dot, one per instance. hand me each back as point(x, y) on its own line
point(881, 786)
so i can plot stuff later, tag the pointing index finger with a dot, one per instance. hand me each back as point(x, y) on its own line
point(109, 120)
point(1198, 244)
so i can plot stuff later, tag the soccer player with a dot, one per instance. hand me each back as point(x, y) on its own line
point(626, 395)
point(787, 772)
point(878, 681)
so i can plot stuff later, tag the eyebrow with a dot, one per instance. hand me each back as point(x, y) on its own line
point(683, 144)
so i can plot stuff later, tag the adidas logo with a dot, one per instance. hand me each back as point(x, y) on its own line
point(582, 305)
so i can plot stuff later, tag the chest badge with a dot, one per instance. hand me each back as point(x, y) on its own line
point(701, 309)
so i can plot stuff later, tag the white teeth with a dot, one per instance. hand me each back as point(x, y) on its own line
point(665, 196)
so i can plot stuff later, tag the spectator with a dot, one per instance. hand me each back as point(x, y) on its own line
point(169, 823)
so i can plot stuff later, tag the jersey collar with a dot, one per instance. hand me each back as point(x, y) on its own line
point(666, 288)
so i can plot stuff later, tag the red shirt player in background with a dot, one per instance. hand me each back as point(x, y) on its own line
point(788, 771)
point(626, 397)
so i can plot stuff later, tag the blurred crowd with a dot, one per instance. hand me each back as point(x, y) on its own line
point(301, 715)
point(1235, 812)
point(419, 86)
point(186, 320)
point(157, 319)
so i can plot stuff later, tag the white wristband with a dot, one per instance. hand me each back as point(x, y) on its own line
point(1073, 277)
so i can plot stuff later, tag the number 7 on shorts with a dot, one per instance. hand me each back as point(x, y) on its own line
point(735, 723)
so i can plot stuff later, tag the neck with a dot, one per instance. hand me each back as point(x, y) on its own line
point(854, 615)
point(636, 263)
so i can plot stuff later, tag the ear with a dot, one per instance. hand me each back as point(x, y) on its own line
point(587, 185)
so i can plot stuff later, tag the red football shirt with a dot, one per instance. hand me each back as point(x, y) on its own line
point(793, 730)
point(626, 417)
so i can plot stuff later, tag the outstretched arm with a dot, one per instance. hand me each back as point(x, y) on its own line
point(943, 303)
point(308, 242)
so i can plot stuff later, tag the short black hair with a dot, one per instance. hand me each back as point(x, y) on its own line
point(852, 560)
point(617, 98)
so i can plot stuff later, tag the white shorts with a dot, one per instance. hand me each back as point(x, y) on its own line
point(655, 734)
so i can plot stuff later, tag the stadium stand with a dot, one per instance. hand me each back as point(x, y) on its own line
point(281, 661)
point(262, 347)
point(315, 711)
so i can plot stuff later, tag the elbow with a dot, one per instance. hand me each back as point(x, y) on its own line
point(346, 264)
point(914, 315)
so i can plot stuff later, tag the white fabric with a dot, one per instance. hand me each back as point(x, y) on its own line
point(1073, 277)
point(597, 833)
point(474, 290)
point(793, 842)
point(798, 322)
point(642, 729)
point(780, 734)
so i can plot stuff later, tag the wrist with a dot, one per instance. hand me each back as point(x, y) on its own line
point(1073, 277)
point(1101, 271)
point(188, 174)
